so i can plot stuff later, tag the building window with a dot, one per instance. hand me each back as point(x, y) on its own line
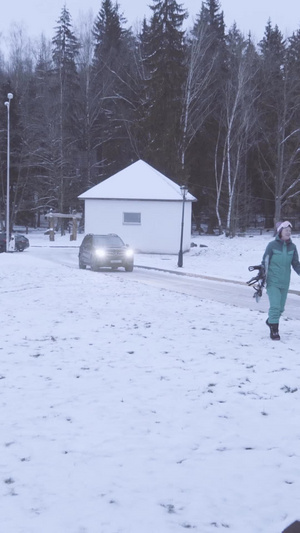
point(131, 218)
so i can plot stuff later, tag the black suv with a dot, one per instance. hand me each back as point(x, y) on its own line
point(99, 251)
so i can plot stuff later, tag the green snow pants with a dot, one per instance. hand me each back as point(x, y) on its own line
point(277, 299)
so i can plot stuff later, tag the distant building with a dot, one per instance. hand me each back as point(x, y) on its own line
point(141, 205)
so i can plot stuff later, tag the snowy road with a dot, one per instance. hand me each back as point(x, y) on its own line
point(223, 291)
point(234, 293)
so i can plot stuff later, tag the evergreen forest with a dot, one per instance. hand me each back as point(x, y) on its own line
point(206, 106)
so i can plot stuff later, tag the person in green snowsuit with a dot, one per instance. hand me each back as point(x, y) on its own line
point(280, 255)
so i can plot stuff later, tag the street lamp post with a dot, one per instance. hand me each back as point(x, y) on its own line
point(184, 190)
point(9, 96)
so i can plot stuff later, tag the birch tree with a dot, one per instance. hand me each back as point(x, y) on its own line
point(198, 93)
point(20, 76)
point(236, 124)
point(207, 78)
point(84, 62)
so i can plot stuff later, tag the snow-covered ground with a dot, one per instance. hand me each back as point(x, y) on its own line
point(127, 408)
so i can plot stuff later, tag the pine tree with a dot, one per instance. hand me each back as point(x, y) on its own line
point(213, 16)
point(272, 115)
point(165, 75)
point(65, 89)
point(108, 31)
point(112, 87)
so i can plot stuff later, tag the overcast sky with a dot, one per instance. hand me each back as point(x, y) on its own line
point(41, 15)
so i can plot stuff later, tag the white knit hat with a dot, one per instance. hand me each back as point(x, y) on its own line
point(281, 225)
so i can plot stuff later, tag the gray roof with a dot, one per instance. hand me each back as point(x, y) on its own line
point(138, 181)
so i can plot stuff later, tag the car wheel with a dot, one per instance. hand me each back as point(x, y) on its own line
point(94, 266)
point(81, 265)
point(129, 268)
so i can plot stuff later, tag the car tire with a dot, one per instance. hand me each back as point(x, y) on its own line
point(94, 266)
point(82, 266)
point(129, 268)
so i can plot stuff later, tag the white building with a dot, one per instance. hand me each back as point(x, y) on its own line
point(143, 207)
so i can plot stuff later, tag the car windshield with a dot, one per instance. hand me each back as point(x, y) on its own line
point(108, 241)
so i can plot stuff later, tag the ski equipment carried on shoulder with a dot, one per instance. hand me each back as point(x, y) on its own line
point(258, 281)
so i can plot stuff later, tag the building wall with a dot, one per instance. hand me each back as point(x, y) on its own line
point(158, 232)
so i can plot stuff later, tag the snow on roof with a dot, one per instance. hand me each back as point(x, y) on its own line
point(138, 181)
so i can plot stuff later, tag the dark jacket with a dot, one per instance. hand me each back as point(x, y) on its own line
point(277, 260)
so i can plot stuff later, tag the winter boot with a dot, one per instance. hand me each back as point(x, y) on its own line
point(274, 333)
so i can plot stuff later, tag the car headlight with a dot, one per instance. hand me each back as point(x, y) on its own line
point(100, 253)
point(129, 253)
